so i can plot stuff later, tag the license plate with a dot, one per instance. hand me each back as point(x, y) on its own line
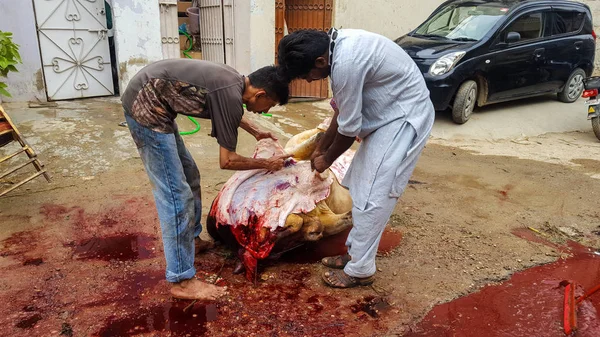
point(592, 102)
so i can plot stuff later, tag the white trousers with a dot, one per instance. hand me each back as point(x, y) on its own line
point(377, 202)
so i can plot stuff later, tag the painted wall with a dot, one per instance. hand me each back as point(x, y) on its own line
point(255, 34)
point(242, 36)
point(595, 8)
point(262, 25)
point(17, 16)
point(391, 18)
point(137, 36)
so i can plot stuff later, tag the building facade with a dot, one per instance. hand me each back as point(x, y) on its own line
point(89, 48)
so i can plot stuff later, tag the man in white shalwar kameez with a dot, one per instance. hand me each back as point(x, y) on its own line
point(379, 97)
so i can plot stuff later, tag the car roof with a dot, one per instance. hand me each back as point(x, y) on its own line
point(515, 4)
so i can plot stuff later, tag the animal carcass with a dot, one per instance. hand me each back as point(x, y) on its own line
point(263, 214)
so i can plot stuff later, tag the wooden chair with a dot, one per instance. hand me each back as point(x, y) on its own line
point(8, 134)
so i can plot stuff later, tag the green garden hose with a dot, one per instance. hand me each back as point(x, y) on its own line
point(185, 52)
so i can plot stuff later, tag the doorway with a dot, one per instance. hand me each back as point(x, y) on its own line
point(293, 15)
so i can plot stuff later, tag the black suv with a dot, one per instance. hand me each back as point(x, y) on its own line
point(474, 53)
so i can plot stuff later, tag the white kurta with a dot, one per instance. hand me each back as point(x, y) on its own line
point(382, 99)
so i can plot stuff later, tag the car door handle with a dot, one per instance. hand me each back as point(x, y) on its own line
point(578, 45)
point(538, 53)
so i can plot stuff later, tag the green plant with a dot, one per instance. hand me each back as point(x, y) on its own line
point(9, 57)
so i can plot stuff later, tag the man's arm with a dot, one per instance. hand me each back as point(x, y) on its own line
point(248, 126)
point(330, 134)
point(340, 145)
point(252, 129)
point(350, 76)
point(229, 160)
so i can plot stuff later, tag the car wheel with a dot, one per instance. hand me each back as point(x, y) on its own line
point(574, 87)
point(464, 102)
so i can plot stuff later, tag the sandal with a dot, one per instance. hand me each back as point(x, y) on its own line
point(336, 262)
point(339, 279)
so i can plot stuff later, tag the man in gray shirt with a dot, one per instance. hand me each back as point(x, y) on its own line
point(380, 97)
point(201, 89)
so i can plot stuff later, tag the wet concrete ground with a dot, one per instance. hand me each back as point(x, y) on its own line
point(82, 256)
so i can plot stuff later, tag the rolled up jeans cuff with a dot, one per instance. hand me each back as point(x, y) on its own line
point(176, 278)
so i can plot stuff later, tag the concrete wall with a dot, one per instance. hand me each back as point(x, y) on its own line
point(137, 36)
point(262, 23)
point(391, 18)
point(254, 34)
point(595, 8)
point(17, 16)
point(242, 37)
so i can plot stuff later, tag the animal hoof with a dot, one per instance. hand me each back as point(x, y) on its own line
point(239, 268)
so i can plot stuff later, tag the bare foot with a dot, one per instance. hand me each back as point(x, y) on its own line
point(202, 246)
point(194, 289)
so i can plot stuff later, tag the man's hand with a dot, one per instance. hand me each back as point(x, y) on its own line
point(316, 153)
point(262, 135)
point(320, 164)
point(276, 163)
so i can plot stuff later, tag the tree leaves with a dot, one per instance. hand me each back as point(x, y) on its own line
point(3, 91)
point(9, 57)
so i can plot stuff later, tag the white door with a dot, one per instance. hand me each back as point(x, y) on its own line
point(217, 30)
point(168, 29)
point(74, 47)
point(211, 30)
point(228, 23)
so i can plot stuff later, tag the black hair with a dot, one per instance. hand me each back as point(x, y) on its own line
point(298, 51)
point(276, 85)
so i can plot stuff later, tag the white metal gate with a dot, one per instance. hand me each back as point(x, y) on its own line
point(168, 29)
point(74, 47)
point(217, 31)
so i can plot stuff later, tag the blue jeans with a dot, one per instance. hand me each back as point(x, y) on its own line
point(175, 181)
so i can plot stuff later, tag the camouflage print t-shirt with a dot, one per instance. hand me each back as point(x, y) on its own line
point(195, 88)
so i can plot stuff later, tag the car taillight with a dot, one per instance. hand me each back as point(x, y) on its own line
point(594, 34)
point(590, 93)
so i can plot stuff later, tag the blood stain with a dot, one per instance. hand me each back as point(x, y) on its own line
point(370, 305)
point(29, 322)
point(20, 243)
point(131, 287)
point(336, 245)
point(283, 186)
point(54, 212)
point(529, 303)
point(390, 240)
point(315, 303)
point(128, 247)
point(504, 193)
point(168, 318)
point(529, 235)
point(33, 262)
point(29, 308)
point(107, 222)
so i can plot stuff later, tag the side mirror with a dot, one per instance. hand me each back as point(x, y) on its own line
point(512, 37)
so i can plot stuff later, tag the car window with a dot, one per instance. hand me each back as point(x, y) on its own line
point(529, 26)
point(442, 21)
point(467, 21)
point(567, 22)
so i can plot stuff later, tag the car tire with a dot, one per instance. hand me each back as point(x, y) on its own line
point(596, 126)
point(464, 102)
point(573, 88)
